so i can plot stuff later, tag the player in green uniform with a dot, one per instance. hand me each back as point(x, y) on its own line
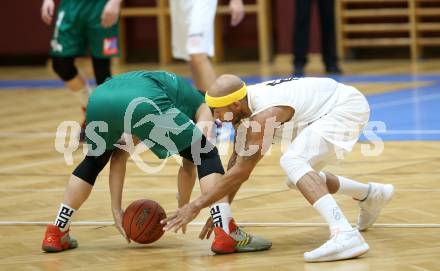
point(160, 109)
point(82, 26)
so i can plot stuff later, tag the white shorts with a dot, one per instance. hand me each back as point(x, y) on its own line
point(328, 138)
point(192, 27)
point(343, 125)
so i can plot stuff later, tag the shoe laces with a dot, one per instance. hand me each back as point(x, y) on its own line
point(333, 241)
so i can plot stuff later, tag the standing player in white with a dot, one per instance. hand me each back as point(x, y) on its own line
point(193, 35)
point(330, 117)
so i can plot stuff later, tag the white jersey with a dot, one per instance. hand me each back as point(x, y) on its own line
point(310, 97)
point(333, 108)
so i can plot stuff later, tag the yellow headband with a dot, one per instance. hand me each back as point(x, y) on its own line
point(227, 99)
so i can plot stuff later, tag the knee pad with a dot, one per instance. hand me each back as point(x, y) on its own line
point(91, 166)
point(101, 68)
point(64, 67)
point(295, 167)
point(210, 163)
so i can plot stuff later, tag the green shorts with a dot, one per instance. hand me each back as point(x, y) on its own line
point(78, 29)
point(141, 107)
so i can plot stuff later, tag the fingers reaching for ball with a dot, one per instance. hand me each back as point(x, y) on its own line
point(207, 229)
point(181, 218)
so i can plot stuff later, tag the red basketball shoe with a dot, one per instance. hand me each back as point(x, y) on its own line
point(55, 240)
point(237, 241)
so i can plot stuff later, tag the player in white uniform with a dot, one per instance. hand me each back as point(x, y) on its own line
point(329, 117)
point(193, 35)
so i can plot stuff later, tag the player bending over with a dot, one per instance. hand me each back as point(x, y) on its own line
point(158, 108)
point(330, 117)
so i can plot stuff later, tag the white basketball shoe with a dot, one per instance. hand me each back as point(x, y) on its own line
point(341, 246)
point(378, 196)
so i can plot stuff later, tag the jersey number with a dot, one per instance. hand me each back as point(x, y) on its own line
point(280, 81)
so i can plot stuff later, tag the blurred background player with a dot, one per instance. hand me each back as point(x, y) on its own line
point(301, 32)
point(80, 26)
point(193, 35)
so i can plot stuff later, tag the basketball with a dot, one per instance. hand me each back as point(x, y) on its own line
point(142, 221)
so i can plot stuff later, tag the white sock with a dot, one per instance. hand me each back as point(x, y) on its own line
point(221, 214)
point(357, 190)
point(64, 217)
point(83, 95)
point(330, 211)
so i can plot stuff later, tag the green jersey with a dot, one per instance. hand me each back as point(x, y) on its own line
point(157, 107)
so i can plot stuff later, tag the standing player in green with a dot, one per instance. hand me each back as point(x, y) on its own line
point(82, 26)
point(160, 109)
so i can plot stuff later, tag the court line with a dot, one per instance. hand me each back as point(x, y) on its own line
point(195, 189)
point(244, 224)
point(131, 190)
point(409, 132)
point(423, 160)
point(39, 163)
point(403, 101)
point(12, 134)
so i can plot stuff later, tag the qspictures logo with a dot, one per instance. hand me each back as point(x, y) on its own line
point(162, 127)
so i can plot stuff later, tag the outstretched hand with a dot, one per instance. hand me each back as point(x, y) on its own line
point(181, 218)
point(118, 216)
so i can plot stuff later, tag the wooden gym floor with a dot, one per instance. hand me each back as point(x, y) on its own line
point(33, 175)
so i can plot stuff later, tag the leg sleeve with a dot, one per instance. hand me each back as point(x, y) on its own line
point(64, 67)
point(102, 69)
point(91, 166)
point(308, 152)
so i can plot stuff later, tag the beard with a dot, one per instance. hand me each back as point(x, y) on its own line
point(237, 118)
